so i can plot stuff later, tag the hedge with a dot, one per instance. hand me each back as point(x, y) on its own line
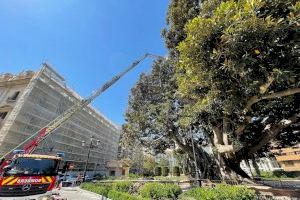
point(160, 191)
point(102, 190)
point(116, 195)
point(122, 186)
point(220, 192)
point(165, 171)
point(157, 171)
point(176, 171)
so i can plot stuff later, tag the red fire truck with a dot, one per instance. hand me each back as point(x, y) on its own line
point(29, 174)
point(23, 173)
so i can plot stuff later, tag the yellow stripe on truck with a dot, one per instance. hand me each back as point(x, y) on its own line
point(43, 180)
point(49, 179)
point(7, 180)
point(13, 181)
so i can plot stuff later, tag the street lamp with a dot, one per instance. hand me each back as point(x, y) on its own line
point(195, 161)
point(91, 146)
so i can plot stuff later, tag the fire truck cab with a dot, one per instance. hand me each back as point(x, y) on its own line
point(29, 174)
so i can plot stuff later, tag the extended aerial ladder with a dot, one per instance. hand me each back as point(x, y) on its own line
point(32, 142)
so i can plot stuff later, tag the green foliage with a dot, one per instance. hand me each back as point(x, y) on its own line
point(278, 174)
point(99, 189)
point(199, 194)
point(163, 161)
point(116, 195)
point(227, 192)
point(234, 57)
point(151, 98)
point(232, 66)
point(157, 171)
point(229, 55)
point(122, 186)
point(220, 192)
point(134, 176)
point(149, 164)
point(165, 171)
point(179, 13)
point(160, 191)
point(284, 174)
point(176, 171)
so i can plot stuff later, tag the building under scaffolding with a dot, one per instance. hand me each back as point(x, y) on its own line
point(27, 104)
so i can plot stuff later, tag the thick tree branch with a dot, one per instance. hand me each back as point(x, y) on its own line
point(224, 148)
point(257, 98)
point(263, 88)
point(226, 130)
point(242, 127)
point(218, 138)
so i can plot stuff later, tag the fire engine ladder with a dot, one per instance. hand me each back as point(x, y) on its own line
point(31, 143)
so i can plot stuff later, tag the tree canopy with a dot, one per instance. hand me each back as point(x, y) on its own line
point(239, 72)
point(232, 78)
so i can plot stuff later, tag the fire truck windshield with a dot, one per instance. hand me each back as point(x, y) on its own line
point(32, 166)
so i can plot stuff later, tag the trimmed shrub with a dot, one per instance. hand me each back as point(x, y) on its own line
point(134, 176)
point(157, 171)
point(234, 192)
point(122, 186)
point(147, 173)
point(220, 192)
point(160, 191)
point(165, 171)
point(199, 194)
point(176, 171)
point(278, 174)
point(99, 189)
point(283, 174)
point(115, 195)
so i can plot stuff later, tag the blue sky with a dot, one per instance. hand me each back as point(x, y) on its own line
point(87, 42)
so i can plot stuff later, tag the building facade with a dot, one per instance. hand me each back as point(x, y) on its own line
point(30, 100)
point(265, 164)
point(288, 158)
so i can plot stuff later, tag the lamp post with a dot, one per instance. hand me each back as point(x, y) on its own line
point(91, 146)
point(195, 161)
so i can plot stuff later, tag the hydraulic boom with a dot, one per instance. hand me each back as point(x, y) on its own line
point(32, 142)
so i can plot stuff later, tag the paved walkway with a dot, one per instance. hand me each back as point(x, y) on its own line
point(75, 193)
point(69, 193)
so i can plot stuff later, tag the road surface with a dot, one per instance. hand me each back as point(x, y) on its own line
point(69, 193)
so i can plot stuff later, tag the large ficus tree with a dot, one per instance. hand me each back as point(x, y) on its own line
point(153, 114)
point(238, 76)
point(152, 118)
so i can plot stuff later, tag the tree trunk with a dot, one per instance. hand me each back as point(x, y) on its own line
point(257, 171)
point(203, 160)
point(234, 165)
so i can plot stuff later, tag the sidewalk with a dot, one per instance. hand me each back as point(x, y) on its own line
point(75, 193)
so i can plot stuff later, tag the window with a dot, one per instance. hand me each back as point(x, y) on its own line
point(33, 166)
point(290, 153)
point(14, 96)
point(112, 173)
point(2, 115)
point(289, 163)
